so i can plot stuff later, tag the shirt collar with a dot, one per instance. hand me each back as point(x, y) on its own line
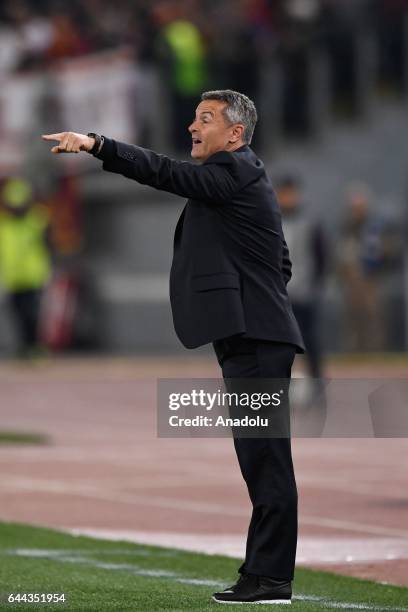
point(244, 147)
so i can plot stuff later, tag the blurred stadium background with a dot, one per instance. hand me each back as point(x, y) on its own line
point(330, 79)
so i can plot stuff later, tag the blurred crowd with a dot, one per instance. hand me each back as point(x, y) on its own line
point(364, 259)
point(233, 34)
point(212, 44)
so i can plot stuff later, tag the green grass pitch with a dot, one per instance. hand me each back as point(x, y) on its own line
point(97, 575)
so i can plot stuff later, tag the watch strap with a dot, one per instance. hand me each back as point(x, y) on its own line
point(98, 143)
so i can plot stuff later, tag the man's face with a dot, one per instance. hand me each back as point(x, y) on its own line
point(211, 132)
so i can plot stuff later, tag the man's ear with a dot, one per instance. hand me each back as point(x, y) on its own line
point(237, 133)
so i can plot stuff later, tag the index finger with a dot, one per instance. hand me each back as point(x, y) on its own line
point(57, 137)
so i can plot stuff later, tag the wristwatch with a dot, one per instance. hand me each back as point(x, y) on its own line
point(98, 143)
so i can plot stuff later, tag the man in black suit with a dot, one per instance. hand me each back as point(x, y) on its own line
point(228, 286)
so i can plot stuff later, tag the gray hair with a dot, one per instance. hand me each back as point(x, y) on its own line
point(239, 109)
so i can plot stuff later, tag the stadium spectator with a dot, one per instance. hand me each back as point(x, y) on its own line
point(298, 38)
point(25, 264)
point(361, 257)
point(233, 48)
point(182, 58)
point(10, 48)
point(66, 39)
point(391, 24)
point(308, 252)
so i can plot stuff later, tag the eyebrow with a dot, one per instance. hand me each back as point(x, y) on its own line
point(207, 113)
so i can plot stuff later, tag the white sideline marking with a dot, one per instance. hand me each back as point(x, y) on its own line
point(55, 552)
point(72, 557)
point(89, 491)
point(311, 550)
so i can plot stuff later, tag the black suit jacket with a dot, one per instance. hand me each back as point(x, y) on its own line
point(231, 263)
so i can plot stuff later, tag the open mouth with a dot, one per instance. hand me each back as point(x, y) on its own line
point(196, 141)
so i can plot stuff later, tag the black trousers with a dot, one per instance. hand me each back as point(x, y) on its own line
point(266, 463)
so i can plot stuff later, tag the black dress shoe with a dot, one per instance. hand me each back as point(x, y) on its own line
point(242, 578)
point(256, 590)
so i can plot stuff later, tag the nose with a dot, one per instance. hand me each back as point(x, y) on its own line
point(191, 128)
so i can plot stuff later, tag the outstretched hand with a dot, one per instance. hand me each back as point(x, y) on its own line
point(70, 142)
